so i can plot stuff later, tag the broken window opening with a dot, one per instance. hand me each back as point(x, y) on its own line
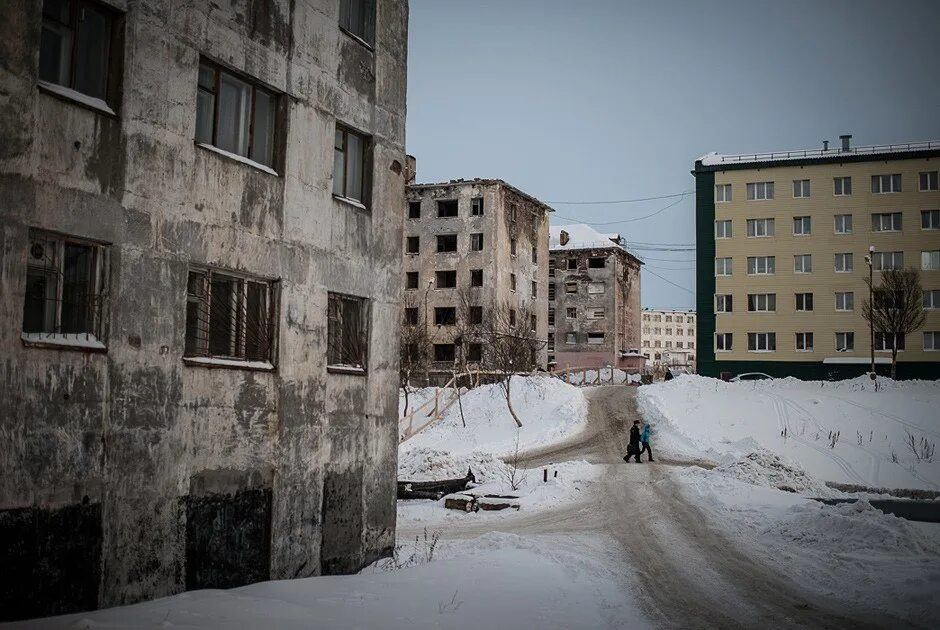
point(446, 279)
point(445, 316)
point(347, 331)
point(446, 243)
point(446, 208)
point(357, 17)
point(351, 165)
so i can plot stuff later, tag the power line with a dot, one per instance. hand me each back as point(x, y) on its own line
point(647, 216)
point(600, 203)
point(678, 286)
point(669, 268)
point(684, 260)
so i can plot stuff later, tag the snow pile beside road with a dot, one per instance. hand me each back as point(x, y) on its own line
point(423, 463)
point(765, 468)
point(837, 431)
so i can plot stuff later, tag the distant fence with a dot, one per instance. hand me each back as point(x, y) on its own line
point(587, 376)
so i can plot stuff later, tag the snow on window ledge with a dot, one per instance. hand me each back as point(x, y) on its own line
point(73, 341)
point(215, 362)
point(352, 202)
point(238, 158)
point(74, 95)
point(346, 369)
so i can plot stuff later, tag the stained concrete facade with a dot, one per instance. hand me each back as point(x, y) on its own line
point(115, 458)
point(594, 306)
point(499, 225)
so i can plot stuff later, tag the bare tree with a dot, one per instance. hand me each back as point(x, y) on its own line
point(510, 345)
point(897, 308)
point(415, 348)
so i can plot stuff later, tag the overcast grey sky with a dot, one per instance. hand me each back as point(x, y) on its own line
point(600, 100)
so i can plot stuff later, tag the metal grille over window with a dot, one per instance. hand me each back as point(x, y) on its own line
point(229, 317)
point(348, 331)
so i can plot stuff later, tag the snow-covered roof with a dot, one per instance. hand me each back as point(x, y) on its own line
point(719, 159)
point(580, 236)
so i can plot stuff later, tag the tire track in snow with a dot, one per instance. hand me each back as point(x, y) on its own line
point(890, 416)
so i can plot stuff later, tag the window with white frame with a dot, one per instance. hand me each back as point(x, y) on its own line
point(761, 265)
point(886, 183)
point(928, 181)
point(843, 224)
point(802, 226)
point(66, 287)
point(930, 219)
point(845, 300)
point(351, 165)
point(804, 342)
point(761, 342)
point(595, 288)
point(804, 301)
point(571, 338)
point(930, 260)
point(723, 228)
point(723, 266)
point(884, 342)
point(723, 303)
point(932, 339)
point(845, 263)
point(802, 263)
point(722, 193)
point(760, 190)
point(800, 188)
point(886, 222)
point(229, 316)
point(841, 186)
point(723, 342)
point(882, 261)
point(761, 302)
point(931, 298)
point(757, 228)
point(845, 342)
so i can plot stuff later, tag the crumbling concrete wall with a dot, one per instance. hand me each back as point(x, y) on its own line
point(142, 438)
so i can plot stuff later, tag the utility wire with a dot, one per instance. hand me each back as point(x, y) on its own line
point(647, 216)
point(678, 286)
point(684, 260)
point(600, 203)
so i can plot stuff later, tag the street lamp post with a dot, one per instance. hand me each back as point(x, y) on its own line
point(871, 321)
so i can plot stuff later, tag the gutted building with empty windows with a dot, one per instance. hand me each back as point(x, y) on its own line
point(472, 246)
point(669, 338)
point(200, 221)
point(783, 244)
point(594, 301)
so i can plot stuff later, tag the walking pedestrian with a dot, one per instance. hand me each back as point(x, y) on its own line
point(633, 448)
point(645, 441)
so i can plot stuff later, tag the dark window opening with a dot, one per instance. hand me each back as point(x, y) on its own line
point(357, 17)
point(447, 208)
point(476, 206)
point(512, 317)
point(475, 352)
point(533, 322)
point(447, 243)
point(597, 262)
point(512, 282)
point(412, 245)
point(512, 212)
point(535, 289)
point(445, 316)
point(75, 46)
point(411, 316)
point(347, 331)
point(535, 254)
point(572, 263)
point(476, 277)
point(411, 279)
point(351, 165)
point(446, 279)
point(476, 242)
point(414, 209)
point(475, 315)
point(512, 247)
point(444, 352)
point(551, 317)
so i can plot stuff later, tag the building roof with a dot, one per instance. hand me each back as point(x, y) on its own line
point(484, 182)
point(718, 161)
point(581, 236)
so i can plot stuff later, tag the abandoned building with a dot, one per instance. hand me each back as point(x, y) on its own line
point(472, 246)
point(593, 301)
point(669, 338)
point(200, 262)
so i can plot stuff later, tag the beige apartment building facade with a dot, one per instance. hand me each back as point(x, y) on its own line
point(782, 247)
point(669, 337)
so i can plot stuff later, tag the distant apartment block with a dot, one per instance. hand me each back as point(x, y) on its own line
point(593, 301)
point(782, 257)
point(669, 337)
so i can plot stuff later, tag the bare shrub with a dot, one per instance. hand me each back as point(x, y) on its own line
point(513, 475)
point(922, 450)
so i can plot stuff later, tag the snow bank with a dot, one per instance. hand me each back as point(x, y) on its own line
point(423, 463)
point(695, 416)
point(764, 468)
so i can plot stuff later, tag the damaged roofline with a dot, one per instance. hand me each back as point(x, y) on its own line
point(485, 182)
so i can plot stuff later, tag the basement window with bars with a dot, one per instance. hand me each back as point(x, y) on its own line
point(65, 291)
point(347, 333)
point(230, 317)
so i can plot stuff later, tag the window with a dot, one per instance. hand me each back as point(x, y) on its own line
point(535, 289)
point(445, 279)
point(411, 316)
point(760, 190)
point(572, 264)
point(512, 247)
point(414, 209)
point(533, 322)
point(886, 222)
point(845, 300)
point(237, 115)
point(551, 292)
point(723, 341)
point(930, 219)
point(571, 312)
point(347, 331)
point(65, 289)
point(843, 224)
point(476, 207)
point(887, 260)
point(445, 352)
point(512, 317)
point(723, 228)
point(475, 315)
point(679, 344)
point(723, 193)
point(597, 313)
point(357, 17)
point(802, 263)
point(75, 46)
point(932, 338)
point(476, 242)
point(800, 188)
point(551, 317)
point(691, 332)
point(447, 243)
point(723, 266)
point(886, 183)
point(669, 331)
point(931, 298)
point(842, 186)
point(885, 300)
point(595, 338)
point(412, 244)
point(446, 208)
point(535, 254)
point(928, 181)
point(512, 282)
point(350, 168)
point(804, 342)
point(689, 319)
point(571, 287)
point(887, 341)
point(761, 302)
point(658, 343)
point(930, 260)
point(762, 342)
point(571, 338)
point(761, 265)
point(595, 288)
point(845, 342)
point(476, 277)
point(668, 318)
point(411, 279)
point(512, 212)
point(801, 226)
point(475, 352)
point(597, 262)
point(551, 267)
point(804, 301)
point(760, 227)
point(844, 263)
point(445, 315)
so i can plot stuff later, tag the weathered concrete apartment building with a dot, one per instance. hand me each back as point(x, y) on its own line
point(200, 274)
point(669, 337)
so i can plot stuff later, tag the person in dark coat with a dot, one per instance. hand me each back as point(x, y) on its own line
point(645, 441)
point(668, 376)
point(633, 448)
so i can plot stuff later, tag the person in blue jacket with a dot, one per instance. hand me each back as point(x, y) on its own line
point(645, 441)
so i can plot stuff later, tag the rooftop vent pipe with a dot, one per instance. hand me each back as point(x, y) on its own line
point(845, 142)
point(825, 145)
